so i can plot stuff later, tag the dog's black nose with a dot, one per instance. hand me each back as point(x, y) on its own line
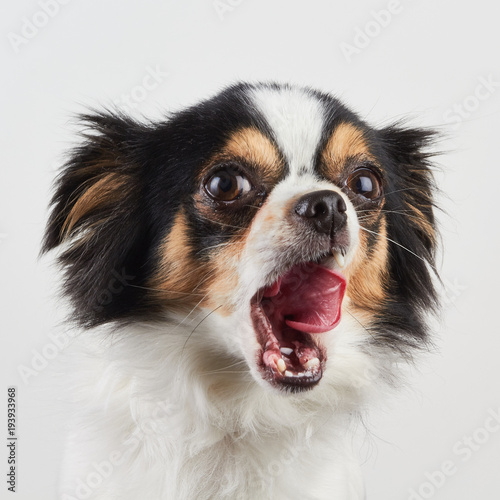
point(323, 210)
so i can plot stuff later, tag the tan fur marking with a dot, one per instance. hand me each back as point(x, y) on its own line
point(367, 276)
point(180, 281)
point(224, 272)
point(107, 190)
point(347, 141)
point(178, 277)
point(251, 144)
point(253, 147)
point(419, 219)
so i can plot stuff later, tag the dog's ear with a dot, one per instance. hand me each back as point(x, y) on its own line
point(97, 218)
point(410, 209)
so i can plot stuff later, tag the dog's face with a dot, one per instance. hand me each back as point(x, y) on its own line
point(301, 231)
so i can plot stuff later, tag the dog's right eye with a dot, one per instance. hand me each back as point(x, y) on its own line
point(227, 185)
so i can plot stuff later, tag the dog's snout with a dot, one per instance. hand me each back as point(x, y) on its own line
point(324, 210)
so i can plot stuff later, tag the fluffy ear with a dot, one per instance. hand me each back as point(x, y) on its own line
point(96, 215)
point(410, 213)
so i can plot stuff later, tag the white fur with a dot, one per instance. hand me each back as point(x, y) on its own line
point(186, 420)
point(177, 410)
point(189, 416)
point(273, 234)
point(297, 120)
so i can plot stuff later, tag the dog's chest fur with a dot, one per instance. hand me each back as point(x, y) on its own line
point(169, 424)
point(247, 274)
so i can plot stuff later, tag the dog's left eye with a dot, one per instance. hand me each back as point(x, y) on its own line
point(227, 185)
point(365, 182)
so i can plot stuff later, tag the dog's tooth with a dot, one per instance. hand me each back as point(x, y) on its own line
point(281, 366)
point(286, 351)
point(289, 374)
point(312, 364)
point(339, 258)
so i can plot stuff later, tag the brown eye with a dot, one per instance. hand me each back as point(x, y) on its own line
point(227, 185)
point(365, 183)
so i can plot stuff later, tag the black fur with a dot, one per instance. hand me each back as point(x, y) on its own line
point(158, 164)
point(412, 250)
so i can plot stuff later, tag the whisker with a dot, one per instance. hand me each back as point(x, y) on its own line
point(386, 211)
point(359, 322)
point(163, 290)
point(205, 279)
point(194, 329)
point(228, 243)
point(191, 312)
point(224, 369)
point(223, 224)
point(399, 245)
point(400, 190)
point(416, 217)
point(252, 206)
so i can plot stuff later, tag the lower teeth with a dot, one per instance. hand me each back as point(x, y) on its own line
point(312, 364)
point(295, 375)
point(281, 366)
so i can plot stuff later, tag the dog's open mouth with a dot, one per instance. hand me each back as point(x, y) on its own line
point(287, 316)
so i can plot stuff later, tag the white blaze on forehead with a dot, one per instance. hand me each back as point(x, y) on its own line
point(296, 118)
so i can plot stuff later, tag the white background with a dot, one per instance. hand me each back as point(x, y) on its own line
point(429, 58)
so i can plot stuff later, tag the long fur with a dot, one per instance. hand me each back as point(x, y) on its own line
point(168, 400)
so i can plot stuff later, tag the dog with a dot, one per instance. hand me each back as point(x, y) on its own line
point(246, 274)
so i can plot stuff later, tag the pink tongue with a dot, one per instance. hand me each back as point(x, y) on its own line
point(309, 297)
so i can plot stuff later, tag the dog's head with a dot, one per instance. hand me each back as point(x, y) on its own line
point(301, 231)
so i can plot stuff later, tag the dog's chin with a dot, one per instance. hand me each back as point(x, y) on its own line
point(289, 318)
